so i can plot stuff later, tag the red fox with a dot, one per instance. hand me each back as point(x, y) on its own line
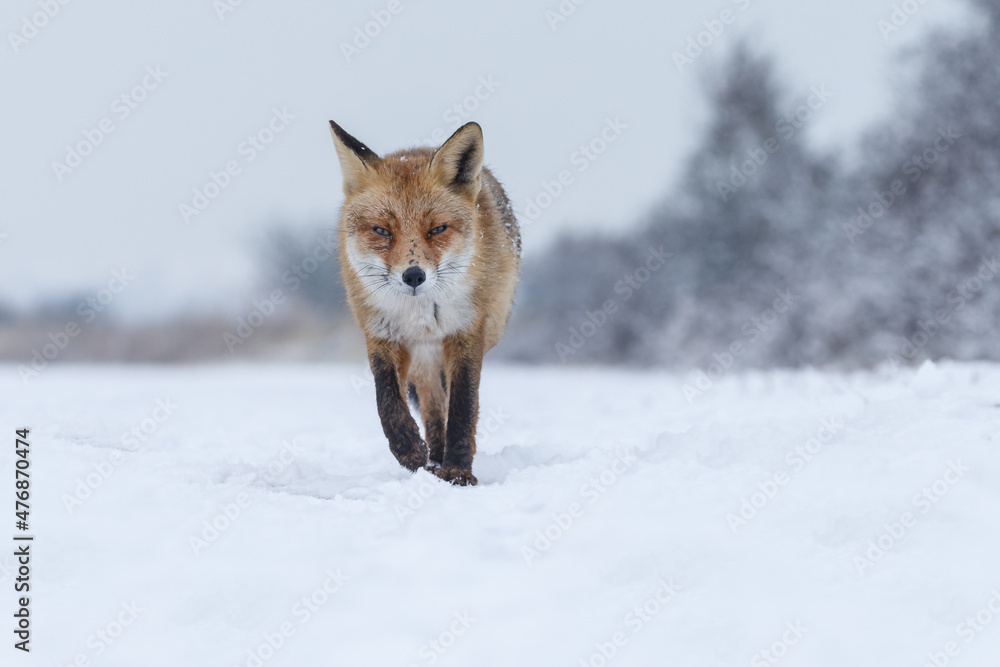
point(429, 255)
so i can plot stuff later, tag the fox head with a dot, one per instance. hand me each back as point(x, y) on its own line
point(408, 218)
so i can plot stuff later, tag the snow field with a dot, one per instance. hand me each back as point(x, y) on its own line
point(254, 516)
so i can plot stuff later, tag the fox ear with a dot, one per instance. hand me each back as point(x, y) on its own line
point(459, 161)
point(356, 159)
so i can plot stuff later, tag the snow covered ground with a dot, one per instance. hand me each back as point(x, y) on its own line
point(233, 515)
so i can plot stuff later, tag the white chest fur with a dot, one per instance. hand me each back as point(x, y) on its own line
point(425, 317)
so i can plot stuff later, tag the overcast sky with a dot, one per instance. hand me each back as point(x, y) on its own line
point(198, 82)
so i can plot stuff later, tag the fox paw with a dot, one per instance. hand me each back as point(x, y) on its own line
point(455, 475)
point(415, 459)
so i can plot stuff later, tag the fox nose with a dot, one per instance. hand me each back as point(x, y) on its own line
point(414, 276)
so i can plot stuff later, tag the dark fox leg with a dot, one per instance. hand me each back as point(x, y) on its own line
point(463, 360)
point(389, 365)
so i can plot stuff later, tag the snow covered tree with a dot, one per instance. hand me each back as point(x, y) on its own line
point(926, 221)
point(743, 223)
point(897, 259)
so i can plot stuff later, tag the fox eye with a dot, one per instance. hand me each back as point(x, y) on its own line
point(437, 230)
point(382, 231)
